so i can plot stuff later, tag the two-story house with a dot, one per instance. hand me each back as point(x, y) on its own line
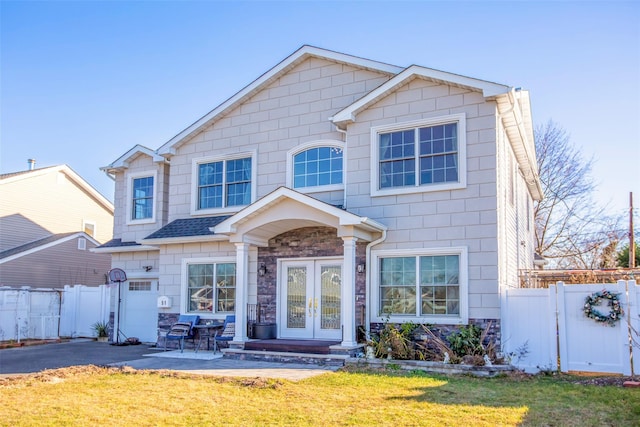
point(50, 219)
point(334, 191)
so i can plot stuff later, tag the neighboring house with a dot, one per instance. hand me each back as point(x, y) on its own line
point(50, 219)
point(334, 191)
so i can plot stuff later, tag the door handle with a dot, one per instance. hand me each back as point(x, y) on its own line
point(310, 305)
point(315, 307)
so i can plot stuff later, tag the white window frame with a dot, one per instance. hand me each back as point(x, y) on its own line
point(222, 158)
point(93, 224)
point(316, 144)
point(82, 244)
point(460, 119)
point(184, 285)
point(461, 319)
point(129, 180)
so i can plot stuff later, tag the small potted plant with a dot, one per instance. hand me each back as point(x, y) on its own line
point(102, 331)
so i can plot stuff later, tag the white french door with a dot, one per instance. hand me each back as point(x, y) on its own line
point(310, 299)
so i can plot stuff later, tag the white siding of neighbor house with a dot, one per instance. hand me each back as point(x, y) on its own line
point(293, 110)
point(42, 204)
point(451, 218)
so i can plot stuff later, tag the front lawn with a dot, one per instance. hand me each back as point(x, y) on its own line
point(110, 396)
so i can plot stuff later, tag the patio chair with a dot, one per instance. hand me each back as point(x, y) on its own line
point(226, 334)
point(182, 330)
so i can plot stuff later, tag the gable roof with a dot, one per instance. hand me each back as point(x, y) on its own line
point(487, 88)
point(10, 178)
point(122, 162)
point(267, 78)
point(41, 244)
point(284, 209)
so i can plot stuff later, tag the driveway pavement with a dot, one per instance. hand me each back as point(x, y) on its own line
point(23, 360)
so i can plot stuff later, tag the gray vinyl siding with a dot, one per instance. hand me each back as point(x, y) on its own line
point(57, 266)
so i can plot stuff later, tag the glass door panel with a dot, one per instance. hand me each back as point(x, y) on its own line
point(296, 297)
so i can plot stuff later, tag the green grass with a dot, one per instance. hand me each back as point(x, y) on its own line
point(100, 396)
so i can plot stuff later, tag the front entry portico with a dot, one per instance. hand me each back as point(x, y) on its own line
point(316, 295)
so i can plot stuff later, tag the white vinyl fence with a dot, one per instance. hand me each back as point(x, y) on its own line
point(38, 313)
point(547, 329)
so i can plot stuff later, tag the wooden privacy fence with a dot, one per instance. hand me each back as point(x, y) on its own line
point(547, 329)
point(39, 313)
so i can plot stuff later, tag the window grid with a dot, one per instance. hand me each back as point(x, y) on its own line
point(224, 183)
point(317, 166)
point(139, 286)
point(428, 282)
point(437, 161)
point(202, 297)
point(142, 200)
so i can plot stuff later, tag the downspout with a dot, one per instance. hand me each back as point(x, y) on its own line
point(367, 301)
point(344, 162)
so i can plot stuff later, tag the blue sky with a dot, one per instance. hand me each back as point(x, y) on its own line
point(83, 82)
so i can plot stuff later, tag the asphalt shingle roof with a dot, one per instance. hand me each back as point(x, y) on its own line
point(118, 243)
point(34, 244)
point(188, 227)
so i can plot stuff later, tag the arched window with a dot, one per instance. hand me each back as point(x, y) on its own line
point(317, 165)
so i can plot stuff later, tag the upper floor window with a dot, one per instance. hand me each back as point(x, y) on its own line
point(142, 204)
point(419, 156)
point(141, 198)
point(316, 166)
point(223, 183)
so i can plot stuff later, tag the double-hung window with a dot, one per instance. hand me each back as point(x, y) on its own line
point(430, 285)
point(211, 286)
point(419, 156)
point(141, 197)
point(223, 183)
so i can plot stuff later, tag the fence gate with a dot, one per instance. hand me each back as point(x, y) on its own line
point(553, 327)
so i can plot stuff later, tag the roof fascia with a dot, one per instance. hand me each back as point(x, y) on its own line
point(184, 239)
point(121, 249)
point(488, 89)
point(49, 245)
point(122, 162)
point(291, 61)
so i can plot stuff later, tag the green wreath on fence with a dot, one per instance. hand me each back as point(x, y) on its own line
point(615, 313)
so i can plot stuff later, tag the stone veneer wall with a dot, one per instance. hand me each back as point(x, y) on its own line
point(308, 242)
point(443, 331)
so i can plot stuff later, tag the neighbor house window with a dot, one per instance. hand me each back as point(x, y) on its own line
point(318, 166)
point(89, 228)
point(423, 285)
point(420, 156)
point(211, 287)
point(223, 183)
point(141, 197)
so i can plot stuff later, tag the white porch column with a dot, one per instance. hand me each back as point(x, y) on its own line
point(348, 296)
point(242, 290)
